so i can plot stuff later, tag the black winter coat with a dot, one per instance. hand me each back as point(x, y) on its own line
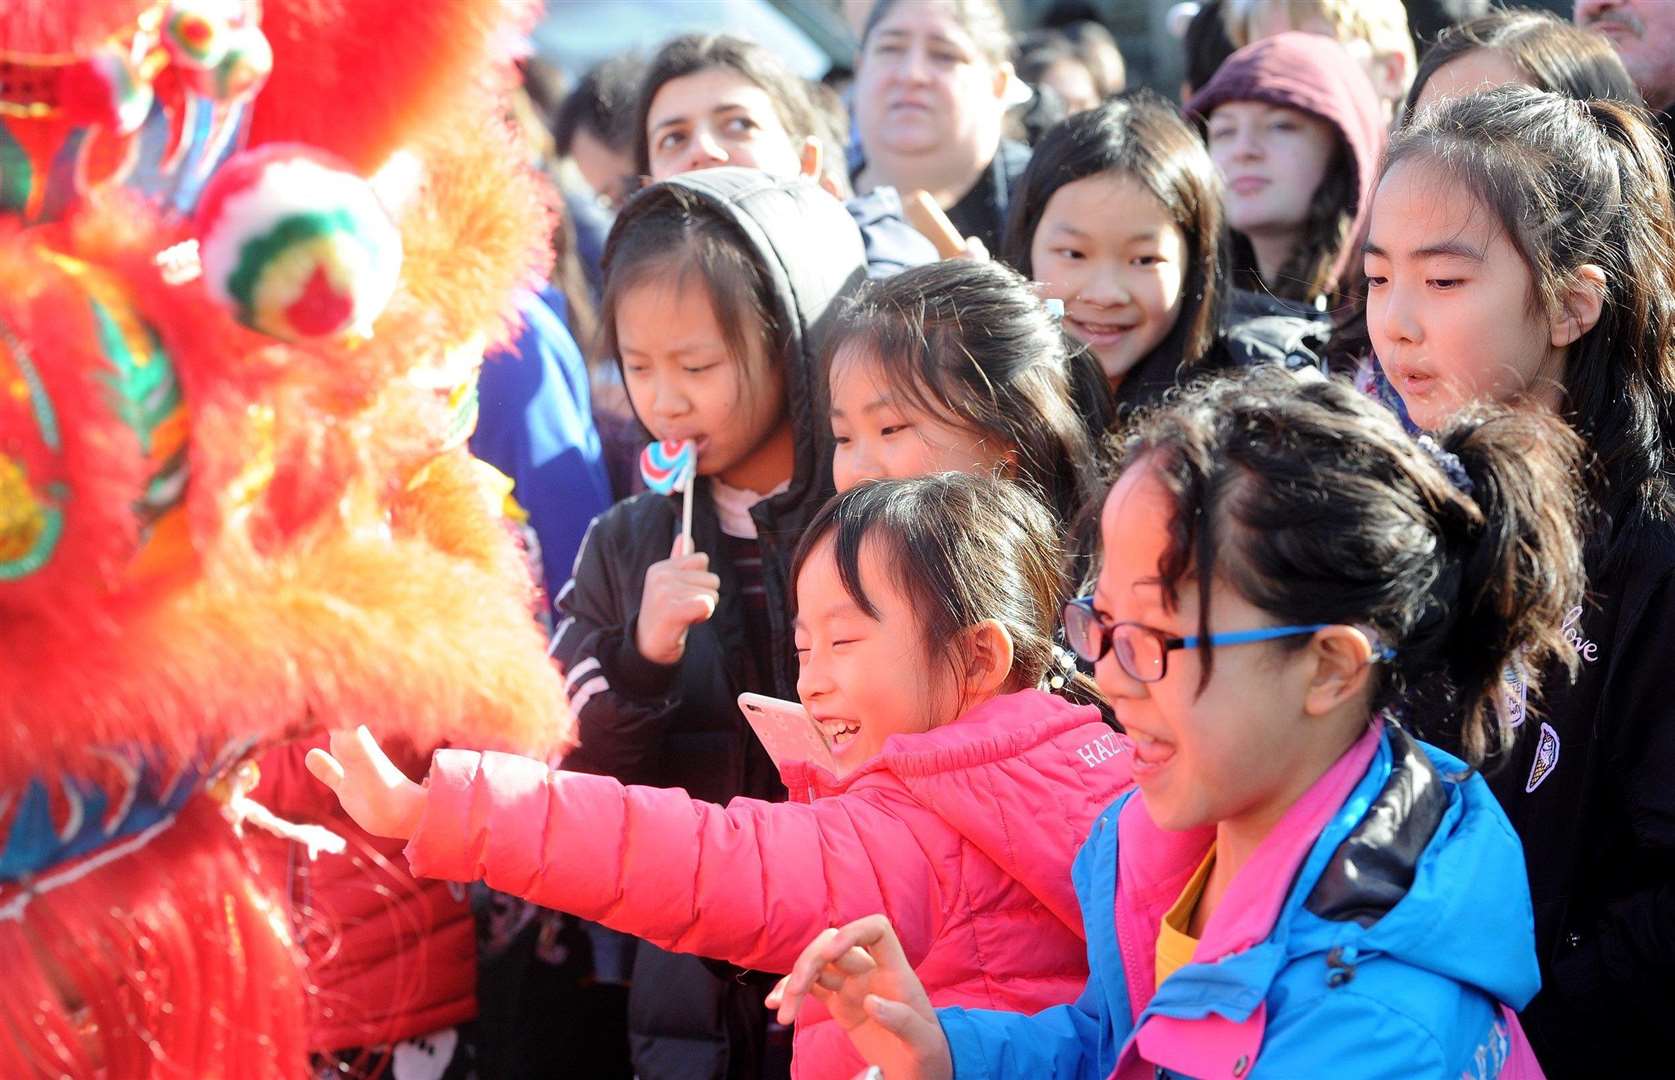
point(1590, 787)
point(679, 725)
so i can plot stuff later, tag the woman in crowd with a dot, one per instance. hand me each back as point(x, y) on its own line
point(933, 81)
point(1296, 131)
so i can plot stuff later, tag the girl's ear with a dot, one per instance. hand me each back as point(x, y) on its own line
point(988, 660)
point(1342, 657)
point(1579, 305)
point(811, 163)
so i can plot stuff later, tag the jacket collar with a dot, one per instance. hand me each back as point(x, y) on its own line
point(1210, 1021)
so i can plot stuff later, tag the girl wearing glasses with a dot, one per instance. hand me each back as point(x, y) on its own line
point(1299, 883)
point(958, 797)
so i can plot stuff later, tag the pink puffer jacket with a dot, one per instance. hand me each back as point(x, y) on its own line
point(963, 836)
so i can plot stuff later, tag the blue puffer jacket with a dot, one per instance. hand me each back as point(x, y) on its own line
point(1377, 932)
point(535, 424)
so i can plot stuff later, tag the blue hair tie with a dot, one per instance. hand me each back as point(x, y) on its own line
point(1449, 463)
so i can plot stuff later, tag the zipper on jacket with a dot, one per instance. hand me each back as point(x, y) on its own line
point(1126, 946)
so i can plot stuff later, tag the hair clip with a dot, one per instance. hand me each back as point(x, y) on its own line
point(1061, 669)
point(1055, 307)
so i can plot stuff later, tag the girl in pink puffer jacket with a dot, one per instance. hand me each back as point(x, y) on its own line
point(925, 610)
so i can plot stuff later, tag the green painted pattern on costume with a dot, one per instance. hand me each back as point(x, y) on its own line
point(39, 404)
point(52, 521)
point(257, 253)
point(147, 396)
point(17, 174)
point(144, 380)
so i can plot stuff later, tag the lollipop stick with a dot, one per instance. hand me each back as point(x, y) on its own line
point(686, 511)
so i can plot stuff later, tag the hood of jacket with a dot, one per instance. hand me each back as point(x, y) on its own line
point(1019, 777)
point(1313, 74)
point(811, 252)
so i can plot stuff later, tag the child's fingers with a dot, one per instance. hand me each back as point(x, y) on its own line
point(387, 771)
point(777, 994)
point(827, 984)
point(695, 580)
point(324, 767)
point(688, 563)
point(895, 1017)
point(795, 986)
point(853, 962)
point(922, 1049)
point(348, 751)
point(822, 975)
point(876, 937)
point(369, 746)
point(694, 609)
point(358, 752)
point(828, 980)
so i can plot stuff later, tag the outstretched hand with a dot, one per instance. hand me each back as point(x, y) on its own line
point(860, 973)
point(372, 789)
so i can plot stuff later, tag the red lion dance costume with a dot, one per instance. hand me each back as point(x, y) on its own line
point(250, 256)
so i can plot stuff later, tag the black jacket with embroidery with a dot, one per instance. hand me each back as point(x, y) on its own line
point(1590, 787)
point(679, 725)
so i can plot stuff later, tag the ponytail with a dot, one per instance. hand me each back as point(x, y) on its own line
point(1069, 682)
point(1460, 556)
point(1512, 551)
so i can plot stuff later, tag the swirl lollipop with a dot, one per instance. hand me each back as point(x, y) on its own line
point(670, 466)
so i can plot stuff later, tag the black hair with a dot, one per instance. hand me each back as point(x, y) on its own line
point(1310, 501)
point(669, 232)
point(960, 549)
point(1555, 55)
point(690, 54)
point(1575, 183)
point(971, 343)
point(1205, 44)
point(1036, 52)
point(601, 104)
point(1141, 136)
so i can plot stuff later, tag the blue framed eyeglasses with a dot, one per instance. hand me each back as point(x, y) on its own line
point(1143, 651)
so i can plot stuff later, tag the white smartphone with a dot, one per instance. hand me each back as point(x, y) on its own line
point(787, 732)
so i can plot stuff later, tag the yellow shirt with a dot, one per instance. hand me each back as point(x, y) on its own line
point(1174, 945)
